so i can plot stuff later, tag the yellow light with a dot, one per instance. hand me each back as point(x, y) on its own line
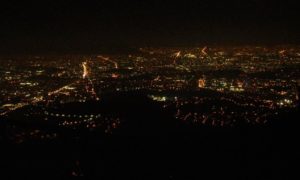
point(201, 83)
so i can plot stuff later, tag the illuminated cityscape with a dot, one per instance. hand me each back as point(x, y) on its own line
point(149, 90)
point(208, 87)
point(246, 77)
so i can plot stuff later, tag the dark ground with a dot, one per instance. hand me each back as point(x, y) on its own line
point(157, 147)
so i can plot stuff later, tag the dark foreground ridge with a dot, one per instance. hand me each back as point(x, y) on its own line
point(150, 144)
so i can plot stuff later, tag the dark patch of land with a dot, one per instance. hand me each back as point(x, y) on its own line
point(152, 145)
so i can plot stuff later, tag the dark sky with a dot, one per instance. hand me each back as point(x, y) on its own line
point(69, 25)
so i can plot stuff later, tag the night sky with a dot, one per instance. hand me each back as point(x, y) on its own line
point(82, 26)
